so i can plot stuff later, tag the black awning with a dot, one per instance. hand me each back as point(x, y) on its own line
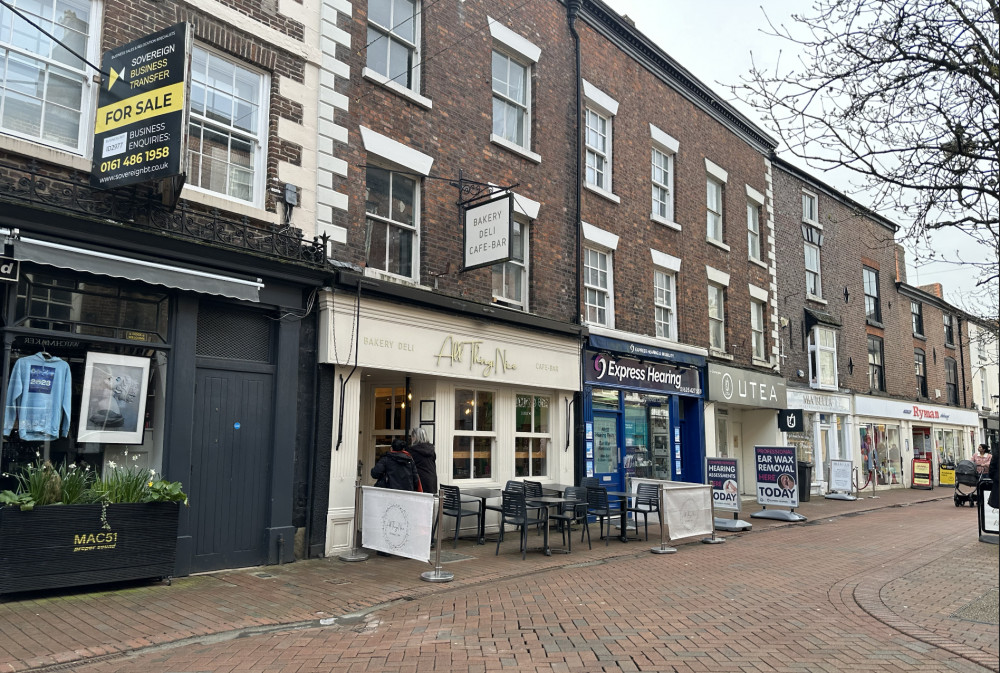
point(814, 317)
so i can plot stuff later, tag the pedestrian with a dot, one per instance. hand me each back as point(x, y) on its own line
point(396, 469)
point(425, 459)
point(994, 473)
point(982, 459)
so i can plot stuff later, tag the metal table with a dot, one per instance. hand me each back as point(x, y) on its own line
point(484, 493)
point(548, 501)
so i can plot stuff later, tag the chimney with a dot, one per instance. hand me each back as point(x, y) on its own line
point(934, 289)
point(900, 264)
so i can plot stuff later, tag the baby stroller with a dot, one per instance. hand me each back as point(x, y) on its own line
point(966, 483)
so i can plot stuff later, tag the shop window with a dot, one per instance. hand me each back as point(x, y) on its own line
point(388, 417)
point(880, 453)
point(392, 221)
point(474, 436)
point(605, 398)
point(948, 446)
point(532, 435)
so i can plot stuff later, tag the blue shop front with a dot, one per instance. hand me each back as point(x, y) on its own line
point(643, 413)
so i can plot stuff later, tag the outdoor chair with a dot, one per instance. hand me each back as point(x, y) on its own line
point(647, 500)
point(571, 513)
point(511, 485)
point(598, 507)
point(515, 512)
point(590, 482)
point(453, 505)
point(533, 489)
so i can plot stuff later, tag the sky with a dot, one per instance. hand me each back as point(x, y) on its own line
point(713, 40)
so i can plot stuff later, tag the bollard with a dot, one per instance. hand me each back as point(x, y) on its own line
point(438, 575)
point(663, 548)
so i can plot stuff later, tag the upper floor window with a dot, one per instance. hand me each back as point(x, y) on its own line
point(876, 369)
point(532, 435)
point(392, 40)
point(511, 100)
point(810, 212)
point(510, 278)
point(949, 330)
point(823, 358)
point(598, 143)
point(45, 91)
point(392, 223)
point(753, 230)
point(951, 379)
point(714, 190)
point(920, 367)
point(665, 309)
point(917, 317)
point(873, 305)
point(597, 285)
point(814, 284)
point(757, 328)
point(227, 136)
point(663, 185)
point(474, 436)
point(717, 317)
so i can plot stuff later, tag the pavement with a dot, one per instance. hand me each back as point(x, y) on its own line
point(930, 598)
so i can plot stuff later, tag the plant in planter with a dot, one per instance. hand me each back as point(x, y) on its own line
point(64, 526)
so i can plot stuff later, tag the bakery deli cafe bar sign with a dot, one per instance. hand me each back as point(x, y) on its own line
point(488, 232)
point(140, 132)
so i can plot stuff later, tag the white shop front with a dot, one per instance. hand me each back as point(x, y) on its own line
point(495, 398)
point(826, 433)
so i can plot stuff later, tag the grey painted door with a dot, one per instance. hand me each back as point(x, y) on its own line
point(230, 475)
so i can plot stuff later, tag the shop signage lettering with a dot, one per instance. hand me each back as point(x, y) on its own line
point(722, 474)
point(925, 413)
point(376, 342)
point(488, 232)
point(92, 541)
point(458, 352)
point(728, 384)
point(776, 475)
point(9, 270)
point(606, 369)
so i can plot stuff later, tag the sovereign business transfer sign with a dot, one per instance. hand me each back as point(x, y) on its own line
point(139, 134)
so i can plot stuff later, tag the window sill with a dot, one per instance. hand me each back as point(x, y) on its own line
point(759, 263)
point(598, 324)
point(602, 193)
point(919, 336)
point(722, 355)
point(45, 153)
point(509, 304)
point(664, 221)
point(951, 346)
point(391, 278)
point(397, 88)
point(718, 244)
point(874, 323)
point(822, 386)
point(212, 200)
point(812, 223)
point(757, 362)
point(516, 149)
point(814, 298)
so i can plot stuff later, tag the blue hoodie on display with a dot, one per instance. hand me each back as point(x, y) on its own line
point(39, 396)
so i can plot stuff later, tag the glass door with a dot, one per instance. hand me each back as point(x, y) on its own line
point(607, 448)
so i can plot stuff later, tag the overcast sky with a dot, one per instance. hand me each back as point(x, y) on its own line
point(713, 39)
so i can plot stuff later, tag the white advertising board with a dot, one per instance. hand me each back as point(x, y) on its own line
point(487, 232)
point(397, 522)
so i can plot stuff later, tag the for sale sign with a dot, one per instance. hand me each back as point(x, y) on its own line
point(139, 134)
point(776, 476)
point(722, 474)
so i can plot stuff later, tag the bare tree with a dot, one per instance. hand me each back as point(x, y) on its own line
point(904, 93)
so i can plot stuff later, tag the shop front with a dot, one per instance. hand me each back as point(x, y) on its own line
point(495, 398)
point(893, 433)
point(742, 413)
point(825, 433)
point(642, 410)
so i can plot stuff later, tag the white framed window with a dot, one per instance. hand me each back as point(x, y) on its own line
point(598, 144)
point(511, 100)
point(393, 41)
point(949, 328)
point(757, 329)
point(46, 93)
point(227, 134)
point(717, 317)
point(474, 436)
point(597, 283)
point(665, 304)
point(388, 416)
point(814, 285)
point(663, 185)
point(532, 435)
point(714, 191)
point(753, 230)
point(873, 302)
point(823, 358)
point(392, 221)
point(510, 278)
point(810, 213)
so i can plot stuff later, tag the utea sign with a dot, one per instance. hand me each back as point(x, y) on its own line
point(488, 232)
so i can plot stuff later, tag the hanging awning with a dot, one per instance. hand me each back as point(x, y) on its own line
point(116, 266)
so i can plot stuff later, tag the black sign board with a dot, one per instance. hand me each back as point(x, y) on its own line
point(790, 420)
point(140, 132)
point(9, 270)
point(604, 369)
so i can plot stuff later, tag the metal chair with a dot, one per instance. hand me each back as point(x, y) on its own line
point(647, 500)
point(598, 507)
point(571, 513)
point(515, 512)
point(453, 505)
point(533, 489)
point(590, 482)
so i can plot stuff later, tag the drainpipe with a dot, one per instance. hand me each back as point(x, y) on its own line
point(572, 13)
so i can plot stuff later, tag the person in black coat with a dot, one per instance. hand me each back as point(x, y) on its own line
point(396, 469)
point(994, 473)
point(425, 459)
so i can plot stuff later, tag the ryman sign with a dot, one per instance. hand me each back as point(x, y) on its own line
point(603, 369)
point(487, 232)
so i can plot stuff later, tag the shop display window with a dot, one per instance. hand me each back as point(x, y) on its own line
point(389, 417)
point(474, 437)
point(948, 446)
point(531, 435)
point(880, 452)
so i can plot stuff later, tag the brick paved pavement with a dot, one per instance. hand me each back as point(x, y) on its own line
point(840, 592)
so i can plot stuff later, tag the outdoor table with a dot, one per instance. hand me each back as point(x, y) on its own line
point(548, 501)
point(555, 488)
point(623, 497)
point(484, 493)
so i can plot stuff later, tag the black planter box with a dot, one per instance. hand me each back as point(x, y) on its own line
point(65, 545)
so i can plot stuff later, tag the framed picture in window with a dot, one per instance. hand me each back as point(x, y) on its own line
point(113, 405)
point(429, 429)
point(426, 411)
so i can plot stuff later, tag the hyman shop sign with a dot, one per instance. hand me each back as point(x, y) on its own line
point(488, 232)
point(140, 132)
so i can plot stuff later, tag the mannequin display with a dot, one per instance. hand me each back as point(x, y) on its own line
point(39, 398)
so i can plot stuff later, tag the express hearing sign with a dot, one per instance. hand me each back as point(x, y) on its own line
point(139, 134)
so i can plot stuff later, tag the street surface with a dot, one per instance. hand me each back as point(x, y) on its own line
point(904, 588)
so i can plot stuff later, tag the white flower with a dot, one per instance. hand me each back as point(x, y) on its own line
point(111, 464)
point(152, 473)
point(72, 467)
point(135, 457)
point(38, 454)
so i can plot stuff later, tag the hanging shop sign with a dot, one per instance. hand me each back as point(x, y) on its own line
point(790, 420)
point(488, 232)
point(776, 476)
point(745, 387)
point(604, 369)
point(722, 474)
point(140, 131)
point(10, 270)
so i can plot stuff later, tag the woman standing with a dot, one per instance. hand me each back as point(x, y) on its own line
point(395, 469)
point(425, 459)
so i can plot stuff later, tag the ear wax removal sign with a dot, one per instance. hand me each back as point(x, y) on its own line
point(776, 476)
point(140, 127)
